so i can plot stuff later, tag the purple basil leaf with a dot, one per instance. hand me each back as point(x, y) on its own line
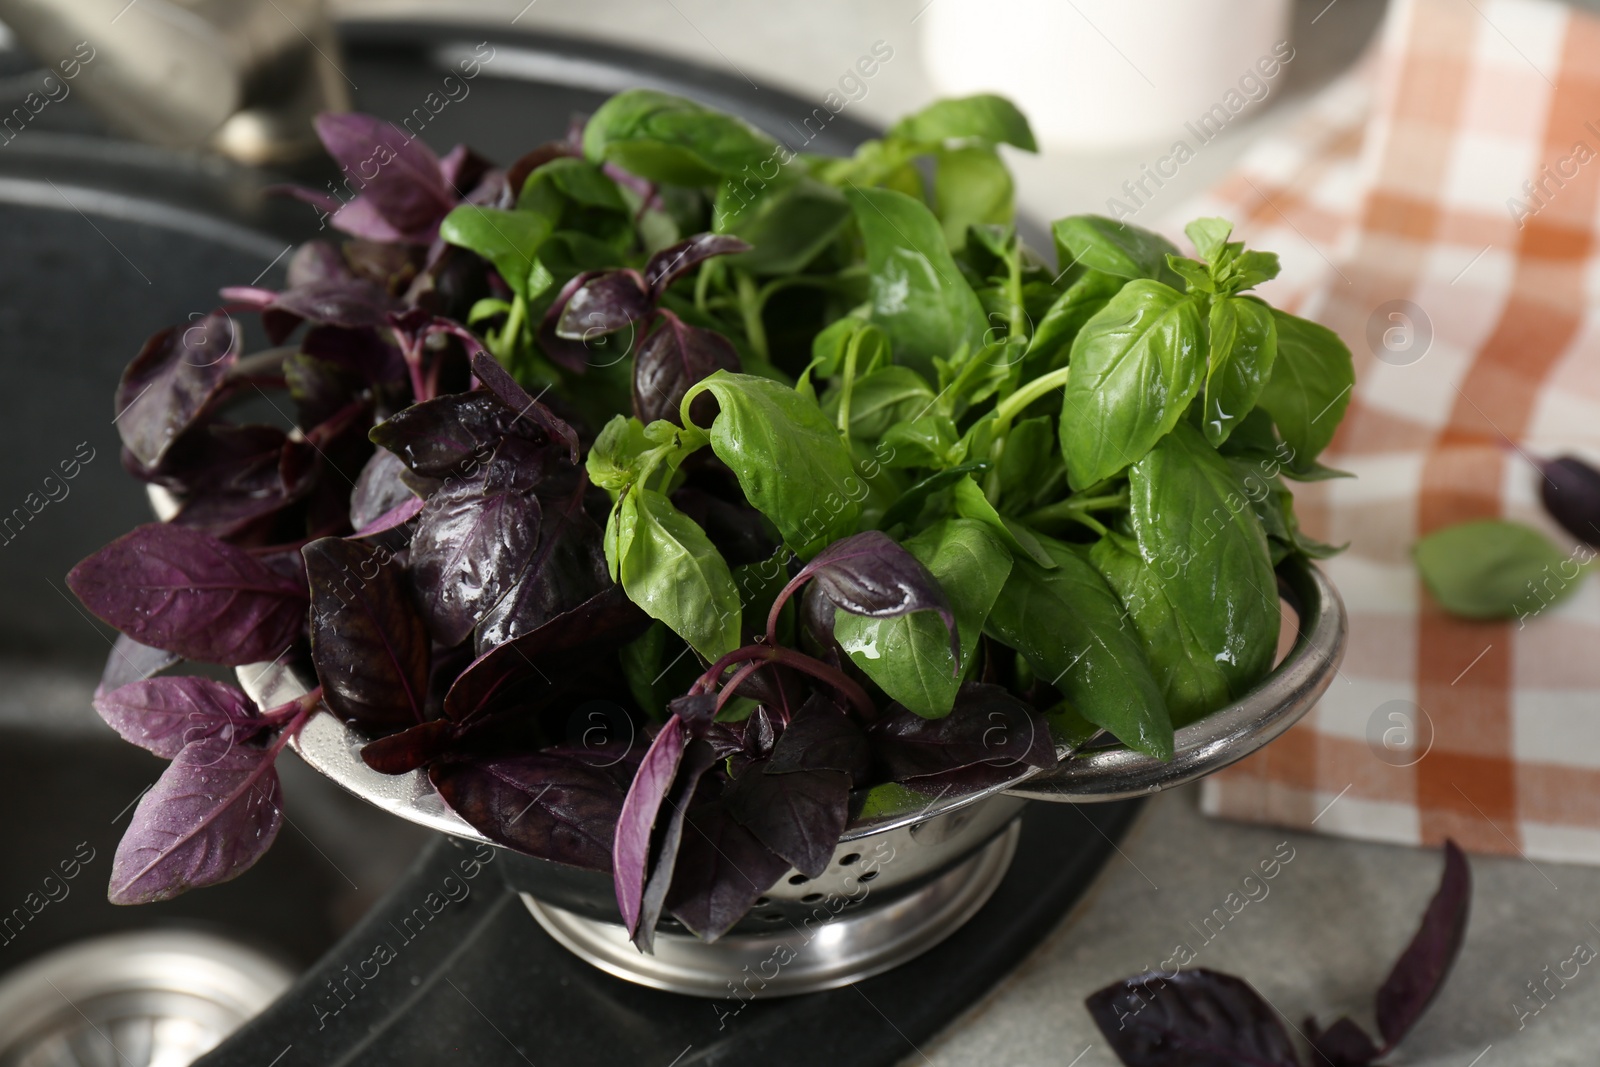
point(214, 811)
point(170, 382)
point(352, 303)
point(165, 714)
point(568, 568)
point(630, 850)
point(130, 662)
point(313, 262)
point(253, 493)
point(498, 381)
point(667, 265)
point(722, 870)
point(822, 737)
point(405, 188)
point(552, 807)
point(379, 489)
point(696, 760)
point(409, 749)
point(672, 358)
point(451, 436)
point(869, 574)
point(320, 388)
point(1426, 961)
point(1199, 1018)
point(797, 814)
point(218, 457)
point(471, 545)
point(462, 168)
point(611, 302)
point(368, 641)
point(572, 355)
point(1570, 489)
point(550, 659)
point(362, 352)
point(987, 725)
point(1344, 1044)
point(191, 594)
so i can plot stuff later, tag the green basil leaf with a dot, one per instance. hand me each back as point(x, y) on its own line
point(919, 295)
point(669, 567)
point(508, 239)
point(612, 457)
point(1112, 247)
point(1135, 367)
point(970, 503)
point(1310, 386)
point(986, 117)
point(1192, 682)
point(1053, 336)
point(789, 227)
point(909, 656)
point(911, 503)
point(931, 441)
point(1067, 623)
point(1249, 271)
point(1196, 528)
point(1196, 275)
point(574, 180)
point(1026, 462)
point(881, 399)
point(972, 187)
point(668, 139)
point(1243, 347)
point(1493, 569)
point(1210, 237)
point(789, 459)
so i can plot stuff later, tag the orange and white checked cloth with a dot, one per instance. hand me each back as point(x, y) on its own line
point(1406, 182)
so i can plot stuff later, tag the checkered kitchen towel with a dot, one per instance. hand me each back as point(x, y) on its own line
point(1453, 181)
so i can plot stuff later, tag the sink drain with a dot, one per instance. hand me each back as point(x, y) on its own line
point(156, 999)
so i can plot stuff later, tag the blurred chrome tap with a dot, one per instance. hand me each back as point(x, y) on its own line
point(242, 76)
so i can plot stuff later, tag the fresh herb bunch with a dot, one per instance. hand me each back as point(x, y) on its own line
point(784, 478)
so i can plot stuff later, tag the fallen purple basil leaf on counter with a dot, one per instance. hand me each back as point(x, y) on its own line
point(1204, 1018)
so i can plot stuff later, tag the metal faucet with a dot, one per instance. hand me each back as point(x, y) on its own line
point(244, 77)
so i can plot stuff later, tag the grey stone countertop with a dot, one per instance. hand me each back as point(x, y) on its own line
point(1323, 938)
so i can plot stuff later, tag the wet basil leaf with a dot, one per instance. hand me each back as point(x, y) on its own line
point(787, 456)
point(1195, 527)
point(1135, 367)
point(1067, 623)
point(1198, 1016)
point(1243, 347)
point(368, 640)
point(919, 296)
point(909, 656)
point(669, 567)
point(1191, 680)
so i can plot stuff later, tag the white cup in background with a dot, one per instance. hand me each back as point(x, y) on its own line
point(1106, 74)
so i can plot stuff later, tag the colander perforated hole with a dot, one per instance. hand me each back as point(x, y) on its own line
point(762, 901)
point(869, 876)
point(798, 879)
point(772, 917)
point(811, 898)
point(845, 861)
